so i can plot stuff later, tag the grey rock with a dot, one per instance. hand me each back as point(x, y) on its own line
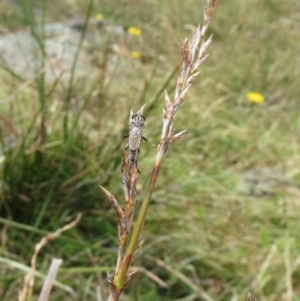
point(22, 53)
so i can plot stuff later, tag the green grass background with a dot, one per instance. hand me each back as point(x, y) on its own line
point(225, 213)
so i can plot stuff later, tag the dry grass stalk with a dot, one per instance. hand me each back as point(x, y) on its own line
point(49, 281)
point(130, 174)
point(26, 293)
point(197, 288)
point(194, 55)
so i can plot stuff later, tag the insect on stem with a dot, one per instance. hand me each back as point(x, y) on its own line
point(135, 137)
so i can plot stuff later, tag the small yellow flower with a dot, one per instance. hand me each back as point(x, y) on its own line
point(135, 55)
point(134, 31)
point(255, 97)
point(99, 17)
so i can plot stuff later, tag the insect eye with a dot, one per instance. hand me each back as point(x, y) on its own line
point(137, 118)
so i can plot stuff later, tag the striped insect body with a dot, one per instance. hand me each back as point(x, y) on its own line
point(135, 136)
point(133, 155)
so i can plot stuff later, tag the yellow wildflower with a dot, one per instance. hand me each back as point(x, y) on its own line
point(135, 55)
point(255, 97)
point(99, 17)
point(134, 31)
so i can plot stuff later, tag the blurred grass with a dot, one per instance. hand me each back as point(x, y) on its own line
point(225, 212)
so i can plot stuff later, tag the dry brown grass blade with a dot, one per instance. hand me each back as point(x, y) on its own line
point(265, 265)
point(150, 275)
point(196, 288)
point(49, 281)
point(113, 202)
point(26, 293)
point(288, 274)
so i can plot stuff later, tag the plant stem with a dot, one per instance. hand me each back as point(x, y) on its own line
point(120, 278)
